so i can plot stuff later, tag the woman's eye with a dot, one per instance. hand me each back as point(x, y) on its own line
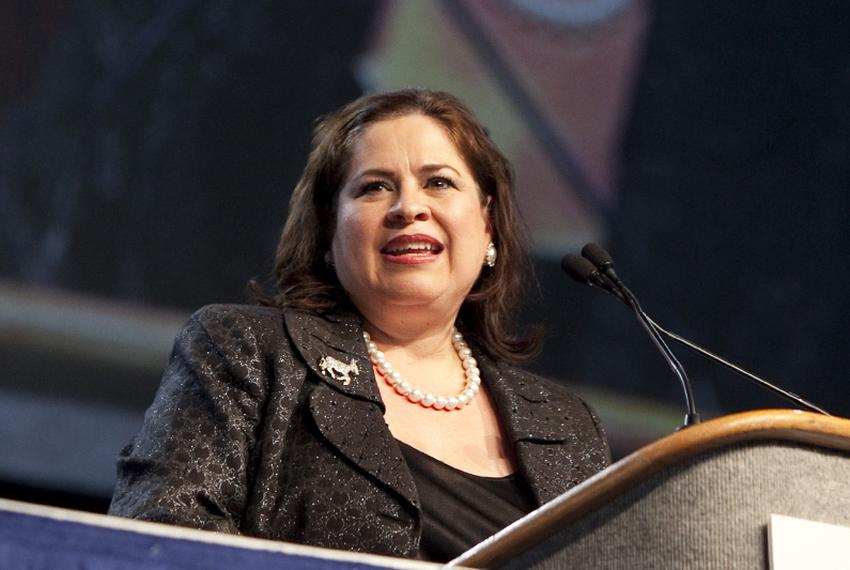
point(374, 186)
point(441, 182)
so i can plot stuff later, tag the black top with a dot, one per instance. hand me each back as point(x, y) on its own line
point(460, 509)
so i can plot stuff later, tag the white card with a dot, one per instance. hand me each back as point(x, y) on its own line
point(799, 544)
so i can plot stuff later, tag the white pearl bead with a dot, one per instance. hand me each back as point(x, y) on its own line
point(379, 356)
point(428, 400)
point(457, 337)
point(395, 377)
point(452, 403)
point(463, 399)
point(403, 388)
point(440, 402)
point(474, 388)
point(475, 380)
point(469, 362)
point(385, 367)
point(464, 352)
point(415, 396)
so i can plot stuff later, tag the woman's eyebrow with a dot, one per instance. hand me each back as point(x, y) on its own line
point(373, 172)
point(435, 167)
point(386, 173)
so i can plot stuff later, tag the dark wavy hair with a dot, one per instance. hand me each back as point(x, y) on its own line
point(305, 281)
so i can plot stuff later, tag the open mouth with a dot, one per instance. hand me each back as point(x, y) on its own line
point(416, 248)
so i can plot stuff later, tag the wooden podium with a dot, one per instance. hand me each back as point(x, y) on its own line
point(699, 498)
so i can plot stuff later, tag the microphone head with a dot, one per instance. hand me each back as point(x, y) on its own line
point(578, 268)
point(597, 255)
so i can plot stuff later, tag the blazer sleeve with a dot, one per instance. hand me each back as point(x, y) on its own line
point(189, 464)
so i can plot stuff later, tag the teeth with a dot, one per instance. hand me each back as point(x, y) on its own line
point(412, 246)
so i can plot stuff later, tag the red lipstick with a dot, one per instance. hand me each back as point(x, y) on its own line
point(412, 249)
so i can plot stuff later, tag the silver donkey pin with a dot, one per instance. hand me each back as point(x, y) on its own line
point(338, 370)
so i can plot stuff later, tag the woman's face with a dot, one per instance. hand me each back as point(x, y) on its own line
point(411, 228)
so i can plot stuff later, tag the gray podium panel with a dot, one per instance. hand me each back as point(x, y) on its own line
point(710, 511)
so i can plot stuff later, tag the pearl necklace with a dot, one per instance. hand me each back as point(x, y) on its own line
point(470, 367)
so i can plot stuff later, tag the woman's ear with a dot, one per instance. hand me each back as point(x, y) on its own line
point(488, 226)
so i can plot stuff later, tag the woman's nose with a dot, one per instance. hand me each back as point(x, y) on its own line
point(409, 206)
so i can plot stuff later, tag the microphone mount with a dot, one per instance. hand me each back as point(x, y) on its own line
point(596, 268)
point(598, 271)
point(707, 354)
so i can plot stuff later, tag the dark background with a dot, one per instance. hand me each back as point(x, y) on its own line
point(149, 149)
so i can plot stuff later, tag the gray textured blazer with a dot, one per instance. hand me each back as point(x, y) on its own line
point(248, 435)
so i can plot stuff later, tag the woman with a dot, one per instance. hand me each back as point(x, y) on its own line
point(349, 412)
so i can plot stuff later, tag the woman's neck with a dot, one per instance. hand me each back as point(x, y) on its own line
point(423, 333)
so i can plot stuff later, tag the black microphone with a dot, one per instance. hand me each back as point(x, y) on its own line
point(603, 259)
point(597, 255)
point(603, 275)
point(583, 271)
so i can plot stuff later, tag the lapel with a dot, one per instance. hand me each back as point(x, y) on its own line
point(537, 422)
point(346, 405)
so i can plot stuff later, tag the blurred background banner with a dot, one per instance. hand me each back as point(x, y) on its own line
point(149, 150)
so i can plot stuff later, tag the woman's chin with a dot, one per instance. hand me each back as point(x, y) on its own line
point(412, 292)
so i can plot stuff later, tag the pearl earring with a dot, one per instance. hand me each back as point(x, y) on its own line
point(490, 255)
